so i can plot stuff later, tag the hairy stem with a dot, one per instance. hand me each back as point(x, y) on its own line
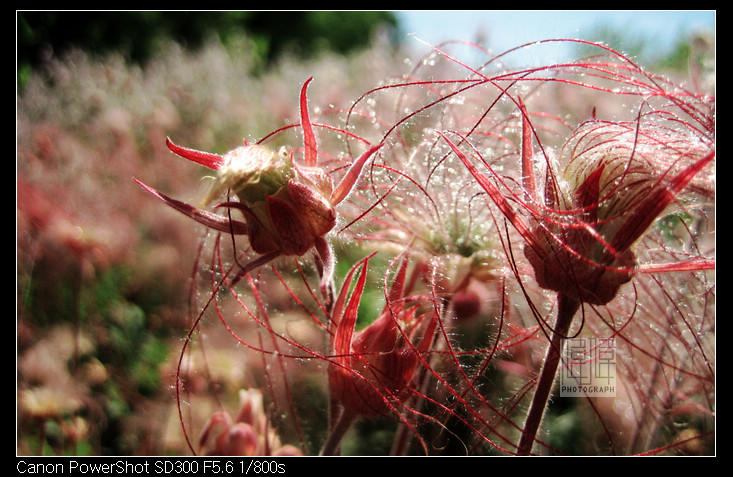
point(565, 313)
point(337, 432)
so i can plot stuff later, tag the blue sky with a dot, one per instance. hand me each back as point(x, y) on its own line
point(505, 29)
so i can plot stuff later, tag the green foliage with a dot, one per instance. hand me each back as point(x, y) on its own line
point(673, 227)
point(370, 437)
point(127, 346)
point(135, 348)
point(145, 371)
point(565, 432)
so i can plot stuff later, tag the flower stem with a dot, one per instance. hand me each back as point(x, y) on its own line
point(337, 432)
point(565, 313)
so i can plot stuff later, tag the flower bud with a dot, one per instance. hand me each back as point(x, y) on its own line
point(373, 368)
point(378, 371)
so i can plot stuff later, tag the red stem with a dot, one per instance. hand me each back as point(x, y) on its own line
point(565, 313)
point(336, 433)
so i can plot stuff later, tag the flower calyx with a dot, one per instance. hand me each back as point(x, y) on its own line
point(579, 241)
point(288, 208)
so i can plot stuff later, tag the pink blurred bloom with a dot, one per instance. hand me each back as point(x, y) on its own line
point(248, 434)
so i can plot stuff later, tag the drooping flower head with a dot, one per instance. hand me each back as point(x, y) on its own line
point(611, 191)
point(613, 180)
point(288, 207)
point(614, 183)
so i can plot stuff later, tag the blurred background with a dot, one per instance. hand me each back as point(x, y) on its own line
point(659, 37)
point(102, 270)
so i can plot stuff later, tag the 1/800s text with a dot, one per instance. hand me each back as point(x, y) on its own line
point(156, 466)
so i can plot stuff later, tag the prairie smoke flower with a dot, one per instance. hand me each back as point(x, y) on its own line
point(615, 183)
point(609, 194)
point(248, 434)
point(422, 201)
point(288, 207)
point(579, 242)
point(371, 370)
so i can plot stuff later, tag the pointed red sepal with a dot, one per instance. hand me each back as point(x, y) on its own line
point(212, 161)
point(347, 183)
point(495, 196)
point(588, 194)
point(396, 291)
point(338, 310)
point(343, 324)
point(211, 220)
point(527, 153)
point(649, 210)
point(309, 137)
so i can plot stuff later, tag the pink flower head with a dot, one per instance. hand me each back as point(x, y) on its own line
point(615, 183)
point(372, 369)
point(615, 191)
point(288, 207)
